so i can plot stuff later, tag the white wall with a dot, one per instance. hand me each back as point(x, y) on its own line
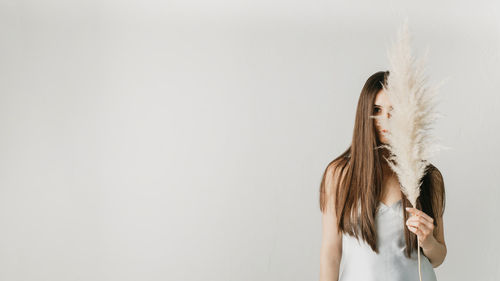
point(185, 140)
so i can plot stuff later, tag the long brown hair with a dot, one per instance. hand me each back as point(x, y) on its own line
point(360, 167)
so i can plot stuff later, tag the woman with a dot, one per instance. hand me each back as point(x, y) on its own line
point(366, 218)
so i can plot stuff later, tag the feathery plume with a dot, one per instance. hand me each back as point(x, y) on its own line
point(410, 141)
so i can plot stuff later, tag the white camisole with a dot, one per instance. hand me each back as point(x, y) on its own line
point(360, 263)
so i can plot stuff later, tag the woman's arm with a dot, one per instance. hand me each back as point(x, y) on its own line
point(331, 249)
point(431, 238)
point(331, 243)
point(436, 249)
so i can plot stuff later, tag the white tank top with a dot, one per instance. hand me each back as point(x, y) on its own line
point(360, 263)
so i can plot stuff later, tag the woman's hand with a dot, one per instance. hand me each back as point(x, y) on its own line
point(422, 225)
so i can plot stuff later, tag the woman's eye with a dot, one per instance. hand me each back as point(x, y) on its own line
point(376, 110)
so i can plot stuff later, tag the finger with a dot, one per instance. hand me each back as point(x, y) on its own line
point(421, 224)
point(417, 231)
point(413, 218)
point(412, 229)
point(415, 211)
point(419, 213)
point(427, 218)
point(418, 219)
point(421, 220)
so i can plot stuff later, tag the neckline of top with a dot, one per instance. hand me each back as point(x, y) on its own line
point(392, 205)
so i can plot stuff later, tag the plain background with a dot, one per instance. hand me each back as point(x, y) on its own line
point(185, 140)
